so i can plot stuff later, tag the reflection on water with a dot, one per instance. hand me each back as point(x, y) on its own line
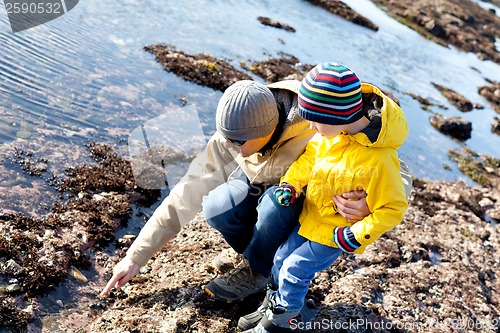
point(85, 76)
point(86, 73)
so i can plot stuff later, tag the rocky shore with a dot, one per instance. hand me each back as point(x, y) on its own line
point(440, 262)
point(435, 272)
point(431, 273)
point(463, 24)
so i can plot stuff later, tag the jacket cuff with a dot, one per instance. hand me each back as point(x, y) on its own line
point(345, 240)
point(137, 257)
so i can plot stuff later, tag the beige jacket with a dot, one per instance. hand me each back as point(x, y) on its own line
point(214, 166)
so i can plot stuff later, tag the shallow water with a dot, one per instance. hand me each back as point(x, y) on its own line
point(86, 77)
point(87, 69)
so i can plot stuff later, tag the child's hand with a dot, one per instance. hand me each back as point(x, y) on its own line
point(285, 194)
point(345, 240)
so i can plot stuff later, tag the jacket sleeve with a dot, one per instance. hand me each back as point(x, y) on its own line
point(208, 170)
point(299, 172)
point(386, 200)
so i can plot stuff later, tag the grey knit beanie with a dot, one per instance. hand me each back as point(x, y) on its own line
point(247, 110)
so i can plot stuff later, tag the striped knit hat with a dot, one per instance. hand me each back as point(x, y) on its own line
point(330, 94)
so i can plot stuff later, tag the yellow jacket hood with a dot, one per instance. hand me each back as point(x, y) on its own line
point(383, 113)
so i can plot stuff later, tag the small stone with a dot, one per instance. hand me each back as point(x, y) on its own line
point(145, 270)
point(75, 273)
point(97, 197)
point(11, 288)
point(486, 202)
point(129, 237)
point(12, 267)
point(23, 134)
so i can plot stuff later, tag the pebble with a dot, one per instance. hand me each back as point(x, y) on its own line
point(13, 288)
point(8, 182)
point(23, 134)
point(12, 267)
point(129, 237)
point(75, 273)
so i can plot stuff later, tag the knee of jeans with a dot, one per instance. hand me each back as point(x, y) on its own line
point(271, 210)
point(212, 212)
point(219, 205)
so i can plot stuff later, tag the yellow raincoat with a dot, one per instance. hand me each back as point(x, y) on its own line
point(367, 160)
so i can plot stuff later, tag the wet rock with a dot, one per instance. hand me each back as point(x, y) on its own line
point(454, 126)
point(30, 164)
point(495, 127)
point(424, 102)
point(39, 253)
point(12, 317)
point(201, 69)
point(287, 67)
point(129, 237)
point(482, 169)
point(343, 10)
point(97, 306)
point(492, 94)
point(124, 243)
point(463, 24)
point(273, 23)
point(462, 103)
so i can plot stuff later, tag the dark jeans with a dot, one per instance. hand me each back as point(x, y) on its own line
point(251, 221)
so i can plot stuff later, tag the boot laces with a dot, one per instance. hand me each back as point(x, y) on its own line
point(242, 272)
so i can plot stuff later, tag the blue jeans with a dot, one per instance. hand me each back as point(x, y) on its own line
point(295, 263)
point(251, 221)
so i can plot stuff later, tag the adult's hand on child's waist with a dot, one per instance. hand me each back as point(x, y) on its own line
point(352, 205)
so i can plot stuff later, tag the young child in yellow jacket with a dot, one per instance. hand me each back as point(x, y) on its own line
point(359, 129)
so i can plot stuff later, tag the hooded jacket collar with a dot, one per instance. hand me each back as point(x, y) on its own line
point(388, 127)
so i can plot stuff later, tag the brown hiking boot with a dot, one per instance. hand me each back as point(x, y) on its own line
point(236, 284)
point(226, 260)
